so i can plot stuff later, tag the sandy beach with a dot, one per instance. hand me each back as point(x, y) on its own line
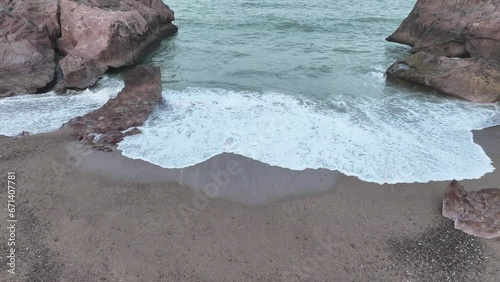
point(223, 141)
point(85, 215)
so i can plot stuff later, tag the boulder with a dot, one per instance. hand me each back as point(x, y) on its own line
point(472, 79)
point(452, 28)
point(130, 108)
point(26, 56)
point(99, 34)
point(476, 213)
point(441, 30)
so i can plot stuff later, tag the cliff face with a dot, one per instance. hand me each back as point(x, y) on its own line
point(92, 35)
point(449, 28)
point(26, 56)
point(453, 28)
point(42, 13)
point(96, 35)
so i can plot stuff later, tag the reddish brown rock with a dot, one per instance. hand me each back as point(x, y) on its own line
point(472, 79)
point(453, 28)
point(448, 28)
point(476, 213)
point(42, 13)
point(130, 108)
point(98, 34)
point(114, 137)
point(26, 56)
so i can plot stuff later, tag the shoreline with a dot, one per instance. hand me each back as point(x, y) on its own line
point(105, 216)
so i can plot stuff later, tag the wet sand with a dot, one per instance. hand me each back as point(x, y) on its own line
point(95, 216)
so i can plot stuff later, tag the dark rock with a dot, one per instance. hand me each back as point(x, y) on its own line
point(22, 134)
point(103, 148)
point(98, 34)
point(130, 108)
point(453, 28)
point(472, 79)
point(133, 131)
point(476, 213)
point(26, 56)
point(114, 137)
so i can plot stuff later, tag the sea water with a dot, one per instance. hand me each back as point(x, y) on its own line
point(295, 84)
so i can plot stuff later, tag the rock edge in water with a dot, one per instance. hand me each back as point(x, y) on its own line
point(473, 79)
point(447, 28)
point(120, 116)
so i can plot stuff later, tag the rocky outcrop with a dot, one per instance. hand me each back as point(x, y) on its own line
point(472, 79)
point(453, 28)
point(449, 28)
point(476, 213)
point(130, 108)
point(26, 56)
point(98, 34)
point(92, 36)
point(42, 13)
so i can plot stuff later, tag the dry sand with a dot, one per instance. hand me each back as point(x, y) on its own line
point(95, 216)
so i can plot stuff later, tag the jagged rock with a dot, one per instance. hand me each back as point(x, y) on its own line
point(130, 108)
point(98, 34)
point(26, 56)
point(472, 79)
point(453, 28)
point(476, 213)
point(42, 13)
point(468, 29)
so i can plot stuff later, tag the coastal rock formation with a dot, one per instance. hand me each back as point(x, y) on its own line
point(452, 28)
point(472, 79)
point(98, 34)
point(130, 108)
point(448, 28)
point(92, 35)
point(476, 213)
point(42, 13)
point(26, 56)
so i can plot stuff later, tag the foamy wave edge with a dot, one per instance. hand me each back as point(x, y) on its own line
point(396, 139)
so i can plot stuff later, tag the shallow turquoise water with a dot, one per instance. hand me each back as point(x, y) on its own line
point(300, 84)
point(316, 48)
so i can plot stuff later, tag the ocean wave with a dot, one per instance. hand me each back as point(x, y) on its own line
point(396, 139)
point(47, 112)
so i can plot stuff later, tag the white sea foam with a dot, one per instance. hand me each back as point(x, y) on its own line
point(401, 138)
point(378, 75)
point(47, 112)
